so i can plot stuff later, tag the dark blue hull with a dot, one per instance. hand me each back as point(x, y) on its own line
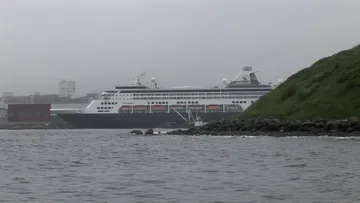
point(139, 120)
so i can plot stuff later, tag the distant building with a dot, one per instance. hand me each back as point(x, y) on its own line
point(8, 94)
point(3, 110)
point(29, 113)
point(17, 100)
point(43, 99)
point(67, 88)
point(50, 99)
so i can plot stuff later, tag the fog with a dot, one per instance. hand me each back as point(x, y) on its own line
point(180, 42)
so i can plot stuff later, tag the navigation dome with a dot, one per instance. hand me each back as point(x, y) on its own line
point(225, 81)
point(153, 79)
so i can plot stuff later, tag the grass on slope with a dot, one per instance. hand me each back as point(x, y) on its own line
point(330, 89)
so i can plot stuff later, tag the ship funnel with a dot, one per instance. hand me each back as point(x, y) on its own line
point(253, 78)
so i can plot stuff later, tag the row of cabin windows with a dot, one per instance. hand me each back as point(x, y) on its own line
point(117, 98)
point(174, 94)
point(214, 96)
point(239, 102)
point(193, 94)
point(105, 107)
point(164, 98)
point(196, 94)
point(207, 97)
point(117, 95)
point(108, 95)
point(196, 102)
point(157, 102)
point(108, 103)
point(189, 102)
point(123, 94)
point(217, 97)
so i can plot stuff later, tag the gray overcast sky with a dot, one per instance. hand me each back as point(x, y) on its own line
point(99, 43)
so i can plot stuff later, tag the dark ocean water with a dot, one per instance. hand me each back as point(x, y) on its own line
point(111, 166)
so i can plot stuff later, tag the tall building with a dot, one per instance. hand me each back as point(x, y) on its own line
point(67, 88)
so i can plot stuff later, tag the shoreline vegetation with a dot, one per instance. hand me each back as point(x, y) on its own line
point(328, 89)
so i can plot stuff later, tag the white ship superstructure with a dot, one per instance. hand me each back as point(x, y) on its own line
point(143, 100)
point(236, 95)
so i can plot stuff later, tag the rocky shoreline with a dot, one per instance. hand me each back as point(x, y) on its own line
point(277, 128)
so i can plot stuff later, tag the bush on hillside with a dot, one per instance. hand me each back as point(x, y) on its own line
point(330, 88)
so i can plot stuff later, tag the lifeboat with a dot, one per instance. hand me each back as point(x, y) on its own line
point(139, 107)
point(196, 107)
point(214, 106)
point(126, 108)
point(158, 107)
point(177, 106)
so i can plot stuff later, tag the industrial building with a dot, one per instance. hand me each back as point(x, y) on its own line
point(34, 113)
point(35, 108)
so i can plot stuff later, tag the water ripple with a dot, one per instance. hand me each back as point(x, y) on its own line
point(110, 166)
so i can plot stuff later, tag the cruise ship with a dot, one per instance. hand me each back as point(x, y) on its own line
point(145, 105)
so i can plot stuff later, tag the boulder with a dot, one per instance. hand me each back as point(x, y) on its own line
point(136, 132)
point(149, 132)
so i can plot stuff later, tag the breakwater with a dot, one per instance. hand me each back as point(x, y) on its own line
point(277, 127)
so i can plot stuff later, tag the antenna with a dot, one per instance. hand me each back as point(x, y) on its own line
point(237, 76)
point(140, 77)
point(244, 69)
point(153, 82)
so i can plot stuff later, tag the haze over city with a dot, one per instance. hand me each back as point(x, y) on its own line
point(180, 42)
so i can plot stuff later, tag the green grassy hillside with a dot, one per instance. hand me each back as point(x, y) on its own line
point(330, 89)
